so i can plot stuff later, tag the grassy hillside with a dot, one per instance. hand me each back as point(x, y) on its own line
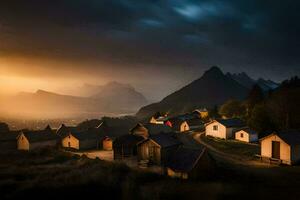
point(51, 174)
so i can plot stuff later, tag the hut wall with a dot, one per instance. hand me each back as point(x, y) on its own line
point(285, 149)
point(23, 143)
point(70, 142)
point(107, 144)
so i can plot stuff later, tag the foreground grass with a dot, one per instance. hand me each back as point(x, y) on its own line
point(52, 175)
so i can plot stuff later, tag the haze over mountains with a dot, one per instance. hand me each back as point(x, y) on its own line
point(213, 88)
point(111, 99)
point(115, 99)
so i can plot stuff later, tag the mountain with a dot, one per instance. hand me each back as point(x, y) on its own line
point(122, 94)
point(111, 100)
point(116, 95)
point(267, 85)
point(243, 79)
point(213, 88)
point(248, 82)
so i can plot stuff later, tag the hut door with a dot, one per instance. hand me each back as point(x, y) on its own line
point(151, 153)
point(276, 149)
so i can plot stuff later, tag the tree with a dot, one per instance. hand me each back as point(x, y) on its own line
point(255, 97)
point(284, 104)
point(261, 120)
point(232, 108)
point(214, 113)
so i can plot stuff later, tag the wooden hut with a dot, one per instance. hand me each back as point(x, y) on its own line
point(186, 163)
point(283, 147)
point(64, 130)
point(223, 128)
point(158, 118)
point(140, 130)
point(246, 135)
point(157, 148)
point(195, 124)
point(82, 140)
point(200, 113)
point(149, 129)
point(178, 124)
point(30, 140)
point(126, 146)
point(107, 144)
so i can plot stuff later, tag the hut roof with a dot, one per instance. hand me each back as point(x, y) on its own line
point(291, 137)
point(165, 140)
point(65, 130)
point(48, 127)
point(249, 131)
point(229, 123)
point(154, 129)
point(176, 122)
point(137, 126)
point(158, 115)
point(127, 140)
point(185, 159)
point(86, 135)
point(195, 122)
point(40, 136)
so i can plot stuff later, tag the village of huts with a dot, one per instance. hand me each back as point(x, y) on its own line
point(170, 145)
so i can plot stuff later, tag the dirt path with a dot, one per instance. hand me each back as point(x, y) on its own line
point(236, 159)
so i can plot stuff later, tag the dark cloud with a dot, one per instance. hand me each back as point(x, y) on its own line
point(254, 35)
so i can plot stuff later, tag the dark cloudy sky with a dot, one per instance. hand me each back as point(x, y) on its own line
point(156, 45)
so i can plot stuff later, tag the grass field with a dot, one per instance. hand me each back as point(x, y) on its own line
point(51, 174)
point(232, 146)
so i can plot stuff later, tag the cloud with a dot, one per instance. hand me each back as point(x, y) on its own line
point(256, 34)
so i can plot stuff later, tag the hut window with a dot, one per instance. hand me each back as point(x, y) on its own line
point(69, 144)
point(242, 135)
point(215, 127)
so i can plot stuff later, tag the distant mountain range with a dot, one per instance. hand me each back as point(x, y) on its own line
point(213, 88)
point(248, 82)
point(111, 99)
point(121, 95)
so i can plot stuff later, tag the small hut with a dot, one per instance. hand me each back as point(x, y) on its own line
point(82, 140)
point(186, 163)
point(246, 135)
point(31, 140)
point(126, 146)
point(178, 124)
point(223, 128)
point(107, 144)
point(157, 148)
point(281, 146)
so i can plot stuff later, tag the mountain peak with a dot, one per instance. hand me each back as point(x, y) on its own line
point(44, 92)
point(214, 70)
